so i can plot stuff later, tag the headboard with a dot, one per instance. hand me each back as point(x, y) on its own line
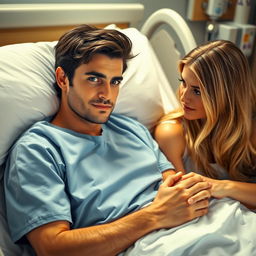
point(21, 23)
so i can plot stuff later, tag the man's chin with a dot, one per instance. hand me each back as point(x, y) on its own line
point(99, 119)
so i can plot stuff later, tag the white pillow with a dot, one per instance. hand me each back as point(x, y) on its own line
point(26, 89)
point(140, 93)
point(27, 93)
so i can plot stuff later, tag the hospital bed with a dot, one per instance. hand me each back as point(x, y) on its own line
point(151, 80)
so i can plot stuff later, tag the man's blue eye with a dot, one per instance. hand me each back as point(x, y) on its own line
point(116, 82)
point(93, 79)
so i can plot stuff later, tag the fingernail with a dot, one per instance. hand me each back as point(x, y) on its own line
point(190, 201)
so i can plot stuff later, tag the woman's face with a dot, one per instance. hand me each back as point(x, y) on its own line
point(190, 95)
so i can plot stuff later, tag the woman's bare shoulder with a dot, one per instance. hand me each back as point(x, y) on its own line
point(169, 128)
point(171, 140)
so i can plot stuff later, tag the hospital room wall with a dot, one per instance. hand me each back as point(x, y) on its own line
point(149, 7)
point(197, 27)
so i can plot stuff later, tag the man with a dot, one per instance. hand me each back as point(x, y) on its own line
point(88, 182)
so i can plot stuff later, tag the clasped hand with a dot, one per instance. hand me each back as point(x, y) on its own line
point(181, 199)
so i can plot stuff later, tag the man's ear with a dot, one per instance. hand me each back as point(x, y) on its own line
point(62, 79)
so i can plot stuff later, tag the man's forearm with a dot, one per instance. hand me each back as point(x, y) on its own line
point(107, 239)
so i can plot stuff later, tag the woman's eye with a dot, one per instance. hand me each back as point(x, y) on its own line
point(181, 80)
point(197, 92)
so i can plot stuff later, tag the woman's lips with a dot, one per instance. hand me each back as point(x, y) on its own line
point(187, 108)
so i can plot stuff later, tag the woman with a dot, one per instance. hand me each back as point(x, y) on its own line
point(214, 132)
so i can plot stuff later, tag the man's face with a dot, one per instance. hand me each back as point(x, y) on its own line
point(95, 88)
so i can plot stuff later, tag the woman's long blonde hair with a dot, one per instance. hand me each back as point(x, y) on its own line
point(229, 98)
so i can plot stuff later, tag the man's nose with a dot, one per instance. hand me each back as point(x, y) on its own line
point(105, 91)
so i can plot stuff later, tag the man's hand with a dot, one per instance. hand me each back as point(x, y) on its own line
point(181, 199)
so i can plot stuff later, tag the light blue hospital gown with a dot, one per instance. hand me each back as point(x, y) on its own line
point(57, 174)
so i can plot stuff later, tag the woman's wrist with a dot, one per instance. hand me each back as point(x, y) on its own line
point(227, 187)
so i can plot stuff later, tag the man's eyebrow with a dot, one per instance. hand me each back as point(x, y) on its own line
point(95, 73)
point(98, 74)
point(118, 78)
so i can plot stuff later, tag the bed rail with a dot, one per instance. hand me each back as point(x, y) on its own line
point(175, 21)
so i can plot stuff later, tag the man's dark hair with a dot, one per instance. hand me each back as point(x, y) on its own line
point(80, 44)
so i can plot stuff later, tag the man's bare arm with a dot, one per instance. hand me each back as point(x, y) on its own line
point(169, 209)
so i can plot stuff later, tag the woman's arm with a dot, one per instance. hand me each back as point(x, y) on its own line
point(241, 191)
point(170, 138)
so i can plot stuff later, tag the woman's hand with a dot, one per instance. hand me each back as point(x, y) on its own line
point(218, 187)
point(241, 191)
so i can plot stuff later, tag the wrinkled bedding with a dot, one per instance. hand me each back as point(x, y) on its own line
point(229, 228)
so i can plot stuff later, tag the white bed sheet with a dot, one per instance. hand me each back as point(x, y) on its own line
point(228, 229)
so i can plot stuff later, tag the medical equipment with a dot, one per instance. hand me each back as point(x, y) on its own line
point(214, 9)
point(238, 31)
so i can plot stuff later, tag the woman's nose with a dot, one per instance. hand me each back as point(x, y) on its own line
point(184, 94)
